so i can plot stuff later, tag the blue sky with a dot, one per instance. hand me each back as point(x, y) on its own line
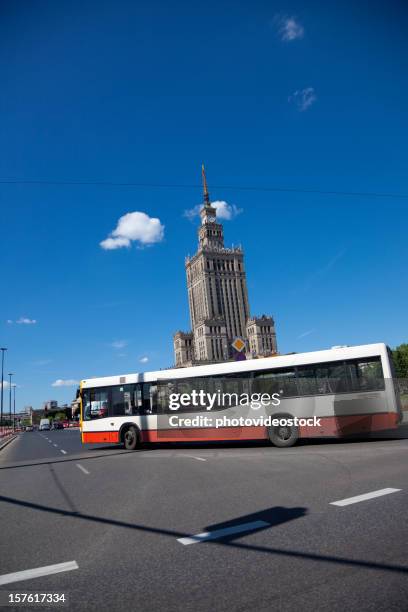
point(293, 95)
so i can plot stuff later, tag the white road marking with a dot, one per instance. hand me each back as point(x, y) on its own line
point(64, 452)
point(84, 470)
point(56, 445)
point(193, 457)
point(221, 533)
point(38, 572)
point(364, 497)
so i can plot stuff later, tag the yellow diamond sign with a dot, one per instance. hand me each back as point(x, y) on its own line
point(238, 344)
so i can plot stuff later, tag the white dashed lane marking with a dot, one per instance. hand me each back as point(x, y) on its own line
point(193, 457)
point(63, 452)
point(221, 533)
point(364, 497)
point(38, 572)
point(84, 470)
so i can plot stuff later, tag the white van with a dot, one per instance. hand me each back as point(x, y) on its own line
point(44, 425)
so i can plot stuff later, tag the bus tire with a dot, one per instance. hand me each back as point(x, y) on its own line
point(131, 438)
point(283, 436)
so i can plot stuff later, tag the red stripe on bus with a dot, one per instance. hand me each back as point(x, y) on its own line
point(204, 434)
point(330, 426)
point(339, 426)
point(98, 437)
point(335, 426)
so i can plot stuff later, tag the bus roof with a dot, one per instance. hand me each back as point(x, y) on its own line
point(231, 367)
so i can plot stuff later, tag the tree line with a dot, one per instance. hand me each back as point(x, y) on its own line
point(400, 358)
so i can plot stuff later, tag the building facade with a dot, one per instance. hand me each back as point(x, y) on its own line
point(218, 301)
point(50, 405)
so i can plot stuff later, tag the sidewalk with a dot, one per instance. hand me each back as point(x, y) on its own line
point(6, 437)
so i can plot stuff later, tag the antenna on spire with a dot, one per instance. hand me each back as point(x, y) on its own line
point(205, 188)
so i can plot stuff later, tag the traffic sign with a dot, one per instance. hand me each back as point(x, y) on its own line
point(238, 344)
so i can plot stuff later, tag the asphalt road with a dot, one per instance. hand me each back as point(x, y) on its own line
point(277, 542)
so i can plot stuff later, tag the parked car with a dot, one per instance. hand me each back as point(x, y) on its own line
point(29, 428)
point(57, 425)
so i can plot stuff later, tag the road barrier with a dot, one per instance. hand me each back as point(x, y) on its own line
point(5, 432)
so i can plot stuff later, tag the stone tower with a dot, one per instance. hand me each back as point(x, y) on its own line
point(218, 299)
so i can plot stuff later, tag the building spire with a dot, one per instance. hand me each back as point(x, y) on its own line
point(205, 188)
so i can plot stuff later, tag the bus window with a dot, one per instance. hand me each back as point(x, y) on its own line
point(276, 381)
point(366, 374)
point(149, 398)
point(331, 378)
point(306, 380)
point(124, 400)
point(95, 404)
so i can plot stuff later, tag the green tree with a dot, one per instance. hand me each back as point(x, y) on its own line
point(400, 357)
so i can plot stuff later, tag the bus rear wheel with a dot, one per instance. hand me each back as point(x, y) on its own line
point(130, 438)
point(283, 435)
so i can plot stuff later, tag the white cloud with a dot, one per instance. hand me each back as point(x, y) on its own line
point(134, 227)
point(225, 211)
point(23, 321)
point(70, 382)
point(119, 344)
point(289, 28)
point(303, 98)
point(144, 359)
point(6, 385)
point(109, 244)
point(192, 213)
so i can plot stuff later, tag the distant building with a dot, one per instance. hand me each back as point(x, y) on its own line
point(50, 405)
point(75, 408)
point(218, 301)
point(25, 416)
point(261, 336)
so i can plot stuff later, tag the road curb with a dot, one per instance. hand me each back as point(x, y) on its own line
point(4, 444)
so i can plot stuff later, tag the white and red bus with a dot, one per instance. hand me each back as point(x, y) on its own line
point(350, 390)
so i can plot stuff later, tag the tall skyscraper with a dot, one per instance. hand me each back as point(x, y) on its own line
point(218, 301)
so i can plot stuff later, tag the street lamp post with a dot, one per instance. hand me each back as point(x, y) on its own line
point(3, 350)
point(14, 407)
point(10, 375)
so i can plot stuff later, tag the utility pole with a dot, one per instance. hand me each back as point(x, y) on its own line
point(3, 350)
point(10, 375)
point(14, 407)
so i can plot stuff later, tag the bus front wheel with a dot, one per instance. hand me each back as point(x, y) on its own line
point(130, 438)
point(283, 435)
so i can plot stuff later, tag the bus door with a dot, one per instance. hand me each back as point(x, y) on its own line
point(148, 412)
